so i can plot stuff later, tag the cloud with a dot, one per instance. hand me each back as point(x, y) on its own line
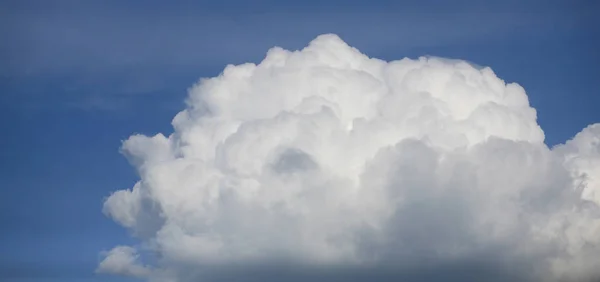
point(324, 162)
point(123, 260)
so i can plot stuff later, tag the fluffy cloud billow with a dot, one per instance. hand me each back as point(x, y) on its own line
point(324, 160)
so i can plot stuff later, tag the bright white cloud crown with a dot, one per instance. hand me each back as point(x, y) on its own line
point(324, 156)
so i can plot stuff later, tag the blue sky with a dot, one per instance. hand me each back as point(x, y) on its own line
point(78, 77)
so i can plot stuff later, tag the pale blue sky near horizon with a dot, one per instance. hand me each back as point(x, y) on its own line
point(78, 77)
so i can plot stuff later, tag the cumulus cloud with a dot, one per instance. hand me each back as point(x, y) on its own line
point(123, 260)
point(324, 160)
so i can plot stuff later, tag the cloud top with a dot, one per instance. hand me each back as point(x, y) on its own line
point(324, 157)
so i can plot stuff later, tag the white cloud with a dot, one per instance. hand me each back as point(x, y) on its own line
point(325, 157)
point(123, 260)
